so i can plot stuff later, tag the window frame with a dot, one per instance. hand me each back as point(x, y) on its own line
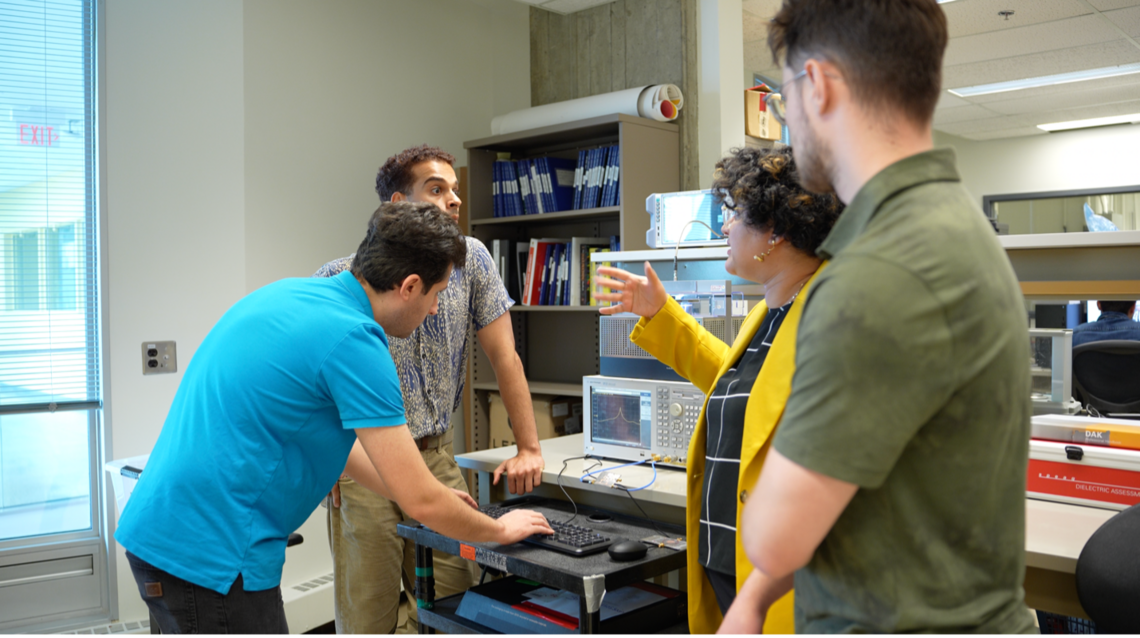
point(100, 589)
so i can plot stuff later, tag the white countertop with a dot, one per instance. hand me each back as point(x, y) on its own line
point(1070, 240)
point(1055, 532)
point(667, 489)
point(1040, 241)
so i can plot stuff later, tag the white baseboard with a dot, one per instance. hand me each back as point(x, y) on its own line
point(308, 605)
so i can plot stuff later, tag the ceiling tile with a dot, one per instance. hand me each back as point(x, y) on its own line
point(946, 101)
point(762, 8)
point(970, 17)
point(1085, 112)
point(1054, 90)
point(1076, 97)
point(1047, 36)
point(755, 29)
point(961, 114)
point(1109, 5)
point(758, 59)
point(986, 124)
point(1092, 56)
point(1005, 133)
point(1127, 19)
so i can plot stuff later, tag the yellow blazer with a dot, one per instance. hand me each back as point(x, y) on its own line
point(677, 340)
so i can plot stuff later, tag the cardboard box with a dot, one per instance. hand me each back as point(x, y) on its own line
point(758, 122)
point(553, 416)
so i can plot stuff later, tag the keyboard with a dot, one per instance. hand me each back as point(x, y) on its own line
point(567, 538)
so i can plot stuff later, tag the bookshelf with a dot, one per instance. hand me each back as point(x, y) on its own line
point(558, 345)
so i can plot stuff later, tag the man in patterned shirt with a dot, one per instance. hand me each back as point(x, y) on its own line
point(369, 557)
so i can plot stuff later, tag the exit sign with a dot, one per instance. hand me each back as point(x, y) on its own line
point(36, 135)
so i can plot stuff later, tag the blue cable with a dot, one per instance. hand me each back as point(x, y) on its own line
point(636, 489)
point(606, 469)
point(652, 463)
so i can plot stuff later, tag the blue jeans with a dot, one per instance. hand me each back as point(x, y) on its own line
point(181, 607)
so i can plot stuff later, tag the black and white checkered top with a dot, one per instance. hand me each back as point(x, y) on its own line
point(725, 435)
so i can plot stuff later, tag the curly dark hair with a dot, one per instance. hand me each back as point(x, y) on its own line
point(762, 185)
point(408, 238)
point(395, 176)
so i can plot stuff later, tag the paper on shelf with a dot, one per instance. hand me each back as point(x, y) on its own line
point(614, 603)
point(661, 102)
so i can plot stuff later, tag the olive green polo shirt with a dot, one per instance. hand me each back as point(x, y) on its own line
point(912, 382)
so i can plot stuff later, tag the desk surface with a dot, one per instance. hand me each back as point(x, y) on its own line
point(668, 488)
point(1055, 532)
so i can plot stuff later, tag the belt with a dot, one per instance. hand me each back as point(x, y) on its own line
point(435, 442)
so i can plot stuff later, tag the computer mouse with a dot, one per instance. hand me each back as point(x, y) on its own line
point(627, 550)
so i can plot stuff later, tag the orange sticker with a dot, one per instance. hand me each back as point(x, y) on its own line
point(467, 551)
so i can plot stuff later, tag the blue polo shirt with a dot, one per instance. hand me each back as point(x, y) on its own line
point(259, 431)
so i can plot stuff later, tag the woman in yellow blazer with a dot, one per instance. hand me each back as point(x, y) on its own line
point(773, 228)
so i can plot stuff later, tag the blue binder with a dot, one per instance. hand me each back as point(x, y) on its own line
point(579, 173)
point(561, 172)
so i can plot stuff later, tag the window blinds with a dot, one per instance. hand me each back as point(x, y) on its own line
point(49, 354)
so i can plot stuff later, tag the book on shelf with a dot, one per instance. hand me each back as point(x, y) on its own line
point(558, 271)
point(579, 172)
point(549, 184)
point(504, 253)
point(539, 252)
point(579, 268)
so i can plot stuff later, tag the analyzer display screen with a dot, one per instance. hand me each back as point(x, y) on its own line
point(676, 209)
point(621, 417)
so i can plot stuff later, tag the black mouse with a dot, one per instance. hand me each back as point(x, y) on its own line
point(627, 550)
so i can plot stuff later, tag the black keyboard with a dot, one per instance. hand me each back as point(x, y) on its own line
point(567, 538)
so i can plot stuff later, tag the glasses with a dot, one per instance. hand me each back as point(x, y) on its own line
point(775, 101)
point(729, 214)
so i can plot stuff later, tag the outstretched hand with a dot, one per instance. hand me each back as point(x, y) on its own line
point(642, 296)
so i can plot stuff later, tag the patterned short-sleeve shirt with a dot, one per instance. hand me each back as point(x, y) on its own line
point(432, 362)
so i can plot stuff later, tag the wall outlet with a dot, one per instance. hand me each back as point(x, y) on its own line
point(159, 357)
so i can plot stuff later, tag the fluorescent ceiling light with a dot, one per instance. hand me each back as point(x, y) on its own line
point(1096, 121)
point(1046, 80)
point(944, 1)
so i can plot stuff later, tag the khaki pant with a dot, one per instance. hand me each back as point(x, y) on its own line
point(369, 559)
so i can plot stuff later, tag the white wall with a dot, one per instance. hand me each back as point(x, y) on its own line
point(242, 140)
point(334, 88)
point(1068, 160)
point(721, 63)
point(174, 181)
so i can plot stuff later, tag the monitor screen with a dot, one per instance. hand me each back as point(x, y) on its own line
point(678, 208)
point(621, 417)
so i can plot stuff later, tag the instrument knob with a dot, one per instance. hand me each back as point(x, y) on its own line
point(675, 409)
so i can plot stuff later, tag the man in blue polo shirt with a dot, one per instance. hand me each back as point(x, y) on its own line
point(290, 380)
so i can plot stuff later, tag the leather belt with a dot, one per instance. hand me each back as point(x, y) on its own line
point(435, 442)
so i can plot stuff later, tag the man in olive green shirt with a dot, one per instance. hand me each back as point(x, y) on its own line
point(894, 494)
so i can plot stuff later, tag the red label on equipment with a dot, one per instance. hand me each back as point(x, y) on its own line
point(1084, 481)
point(467, 551)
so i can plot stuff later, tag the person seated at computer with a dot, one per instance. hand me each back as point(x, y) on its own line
point(1115, 322)
point(773, 227)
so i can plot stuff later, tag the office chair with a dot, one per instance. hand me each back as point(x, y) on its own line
point(1106, 376)
point(1108, 574)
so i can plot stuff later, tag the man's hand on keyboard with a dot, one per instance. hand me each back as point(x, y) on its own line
point(520, 524)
